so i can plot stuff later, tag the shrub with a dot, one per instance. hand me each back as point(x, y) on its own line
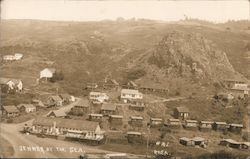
point(9, 120)
point(136, 74)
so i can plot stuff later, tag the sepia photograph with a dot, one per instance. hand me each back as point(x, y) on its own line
point(125, 79)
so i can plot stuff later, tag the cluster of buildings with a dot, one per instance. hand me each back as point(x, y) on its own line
point(236, 89)
point(13, 111)
point(15, 57)
point(10, 84)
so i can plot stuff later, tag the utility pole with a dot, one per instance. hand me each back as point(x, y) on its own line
point(148, 139)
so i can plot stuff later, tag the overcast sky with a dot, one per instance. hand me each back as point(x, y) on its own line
point(76, 10)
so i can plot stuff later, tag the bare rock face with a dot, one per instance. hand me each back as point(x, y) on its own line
point(191, 56)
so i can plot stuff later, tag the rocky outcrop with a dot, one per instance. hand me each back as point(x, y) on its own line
point(191, 56)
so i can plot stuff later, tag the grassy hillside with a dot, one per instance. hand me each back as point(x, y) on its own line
point(90, 51)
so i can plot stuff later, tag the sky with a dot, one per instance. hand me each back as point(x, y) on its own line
point(90, 10)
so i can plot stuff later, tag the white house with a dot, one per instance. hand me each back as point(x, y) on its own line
point(98, 97)
point(18, 56)
point(47, 73)
point(9, 58)
point(130, 94)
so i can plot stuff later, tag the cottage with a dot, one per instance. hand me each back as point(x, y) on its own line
point(10, 111)
point(115, 119)
point(199, 141)
point(55, 100)
point(220, 126)
point(47, 73)
point(108, 109)
point(27, 108)
point(57, 114)
point(82, 107)
point(69, 128)
point(134, 137)
point(173, 123)
point(181, 113)
point(206, 125)
point(136, 121)
point(156, 122)
point(236, 128)
point(130, 94)
point(190, 124)
point(138, 105)
point(95, 117)
point(10, 84)
point(230, 143)
point(98, 97)
point(186, 141)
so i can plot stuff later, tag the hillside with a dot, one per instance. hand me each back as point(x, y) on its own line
point(90, 51)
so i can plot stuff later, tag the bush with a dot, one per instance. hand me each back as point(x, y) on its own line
point(58, 76)
point(136, 74)
point(9, 120)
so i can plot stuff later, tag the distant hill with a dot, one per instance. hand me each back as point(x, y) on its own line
point(90, 51)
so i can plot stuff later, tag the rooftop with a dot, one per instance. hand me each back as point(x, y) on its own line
point(116, 116)
point(133, 133)
point(67, 123)
point(136, 117)
point(156, 119)
point(83, 103)
point(56, 98)
point(182, 109)
point(129, 91)
point(26, 106)
point(58, 113)
point(11, 109)
point(108, 106)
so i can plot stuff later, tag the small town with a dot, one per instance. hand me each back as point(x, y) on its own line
point(111, 89)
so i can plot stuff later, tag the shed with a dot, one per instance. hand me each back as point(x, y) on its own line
point(236, 128)
point(116, 119)
point(199, 141)
point(156, 122)
point(181, 112)
point(95, 117)
point(186, 141)
point(220, 126)
point(134, 137)
point(190, 124)
point(206, 125)
point(230, 143)
point(173, 123)
point(136, 121)
point(108, 109)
